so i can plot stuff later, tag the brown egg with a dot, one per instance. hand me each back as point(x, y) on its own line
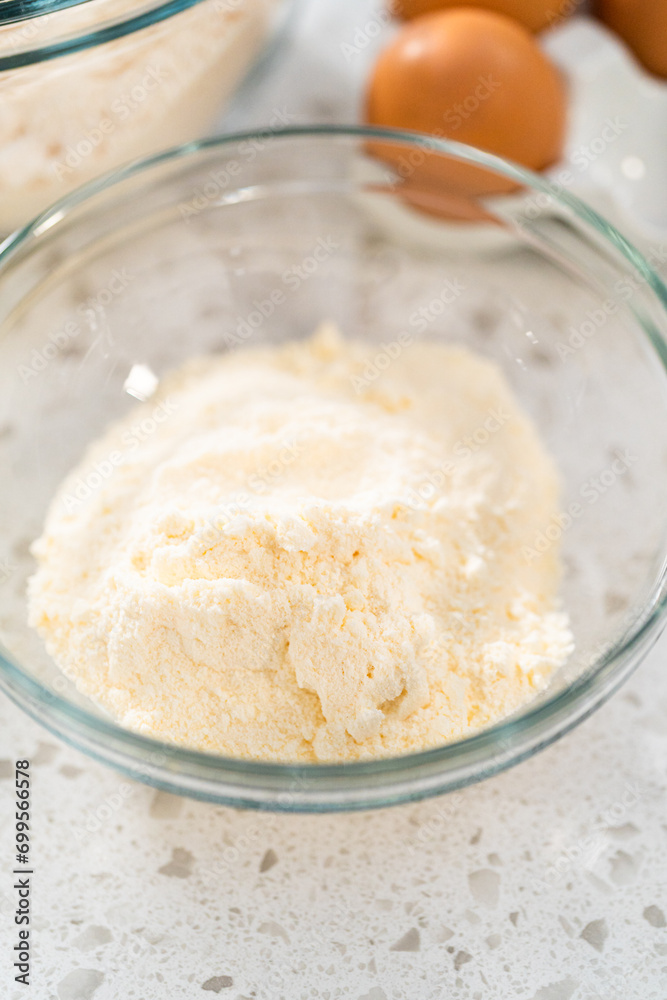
point(476, 77)
point(642, 24)
point(533, 14)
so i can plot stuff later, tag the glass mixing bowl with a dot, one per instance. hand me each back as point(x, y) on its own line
point(181, 255)
point(86, 85)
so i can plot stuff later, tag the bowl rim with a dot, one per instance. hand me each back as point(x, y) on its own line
point(518, 735)
point(109, 28)
point(16, 12)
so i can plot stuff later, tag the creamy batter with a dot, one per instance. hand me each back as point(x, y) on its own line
point(65, 121)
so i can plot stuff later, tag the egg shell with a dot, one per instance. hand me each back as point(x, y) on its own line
point(536, 15)
point(642, 24)
point(475, 77)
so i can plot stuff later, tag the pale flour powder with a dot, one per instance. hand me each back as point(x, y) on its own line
point(298, 562)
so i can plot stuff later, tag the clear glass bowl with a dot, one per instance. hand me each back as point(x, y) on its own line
point(176, 255)
point(86, 85)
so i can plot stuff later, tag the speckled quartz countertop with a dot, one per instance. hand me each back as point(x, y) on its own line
point(548, 882)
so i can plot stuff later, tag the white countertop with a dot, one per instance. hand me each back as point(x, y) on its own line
point(548, 882)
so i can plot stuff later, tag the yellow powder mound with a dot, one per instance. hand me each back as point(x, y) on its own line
point(283, 556)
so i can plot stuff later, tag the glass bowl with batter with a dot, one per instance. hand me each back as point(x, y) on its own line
point(255, 240)
point(86, 85)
